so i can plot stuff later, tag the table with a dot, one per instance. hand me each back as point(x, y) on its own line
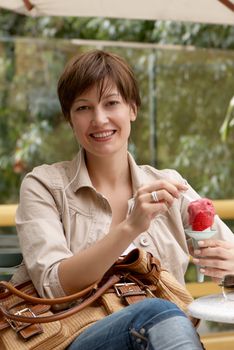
point(213, 308)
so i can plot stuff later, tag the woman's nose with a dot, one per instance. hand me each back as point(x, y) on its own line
point(99, 117)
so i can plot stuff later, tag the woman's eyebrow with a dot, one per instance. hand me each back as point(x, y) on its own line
point(81, 100)
point(111, 95)
point(105, 96)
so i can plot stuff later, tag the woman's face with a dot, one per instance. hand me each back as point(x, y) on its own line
point(102, 126)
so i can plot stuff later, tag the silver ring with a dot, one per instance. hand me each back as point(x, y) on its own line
point(154, 196)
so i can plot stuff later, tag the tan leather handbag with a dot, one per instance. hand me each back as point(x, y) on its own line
point(30, 322)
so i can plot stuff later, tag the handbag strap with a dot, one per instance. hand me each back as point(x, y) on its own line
point(63, 314)
point(46, 301)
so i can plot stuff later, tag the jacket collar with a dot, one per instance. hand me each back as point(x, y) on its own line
point(80, 176)
point(79, 172)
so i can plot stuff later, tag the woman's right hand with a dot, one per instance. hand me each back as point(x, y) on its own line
point(146, 208)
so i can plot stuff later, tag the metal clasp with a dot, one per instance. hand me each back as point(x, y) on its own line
point(130, 292)
point(117, 285)
point(18, 325)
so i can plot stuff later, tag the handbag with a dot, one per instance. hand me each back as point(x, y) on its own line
point(30, 322)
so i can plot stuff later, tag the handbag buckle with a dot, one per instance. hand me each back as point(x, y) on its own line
point(18, 325)
point(128, 290)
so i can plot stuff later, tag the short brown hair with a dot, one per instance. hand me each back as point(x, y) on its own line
point(93, 67)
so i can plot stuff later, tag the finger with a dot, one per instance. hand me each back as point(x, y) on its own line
point(157, 185)
point(212, 263)
point(214, 252)
point(215, 243)
point(144, 204)
point(213, 273)
point(173, 188)
point(181, 187)
point(216, 271)
point(162, 196)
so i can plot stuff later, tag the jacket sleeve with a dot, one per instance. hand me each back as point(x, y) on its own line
point(41, 235)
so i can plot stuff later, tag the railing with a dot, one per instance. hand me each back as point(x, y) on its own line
point(224, 208)
point(212, 341)
point(7, 214)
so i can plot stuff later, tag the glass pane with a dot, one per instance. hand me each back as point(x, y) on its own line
point(185, 94)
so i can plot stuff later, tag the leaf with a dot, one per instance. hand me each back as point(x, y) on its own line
point(228, 121)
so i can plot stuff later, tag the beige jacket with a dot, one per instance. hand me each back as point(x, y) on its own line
point(61, 213)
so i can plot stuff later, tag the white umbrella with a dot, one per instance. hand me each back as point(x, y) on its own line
point(203, 11)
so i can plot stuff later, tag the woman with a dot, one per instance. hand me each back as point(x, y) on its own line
point(81, 215)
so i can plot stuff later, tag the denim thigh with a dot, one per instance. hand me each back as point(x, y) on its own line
point(131, 328)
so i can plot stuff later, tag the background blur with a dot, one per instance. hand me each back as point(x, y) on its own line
point(186, 76)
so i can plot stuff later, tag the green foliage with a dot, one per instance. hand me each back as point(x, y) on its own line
point(228, 121)
point(193, 89)
point(163, 32)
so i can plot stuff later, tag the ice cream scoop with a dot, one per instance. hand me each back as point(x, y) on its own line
point(201, 218)
point(201, 214)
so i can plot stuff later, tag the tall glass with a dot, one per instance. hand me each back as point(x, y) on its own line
point(199, 236)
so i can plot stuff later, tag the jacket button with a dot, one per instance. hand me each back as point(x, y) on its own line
point(144, 242)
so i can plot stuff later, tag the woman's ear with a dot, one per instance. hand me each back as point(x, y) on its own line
point(133, 112)
point(70, 121)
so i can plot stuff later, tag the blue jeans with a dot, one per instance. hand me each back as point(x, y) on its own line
point(152, 324)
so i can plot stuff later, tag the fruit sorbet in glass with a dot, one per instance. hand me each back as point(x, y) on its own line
point(201, 218)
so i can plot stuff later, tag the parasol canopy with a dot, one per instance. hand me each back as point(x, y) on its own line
point(203, 11)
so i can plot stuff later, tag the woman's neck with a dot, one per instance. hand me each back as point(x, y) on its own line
point(108, 172)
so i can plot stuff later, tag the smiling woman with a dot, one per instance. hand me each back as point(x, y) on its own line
point(80, 216)
point(101, 124)
point(103, 71)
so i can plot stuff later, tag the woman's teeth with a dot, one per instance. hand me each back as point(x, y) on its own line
point(102, 134)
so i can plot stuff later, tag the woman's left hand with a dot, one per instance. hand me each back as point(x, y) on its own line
point(215, 257)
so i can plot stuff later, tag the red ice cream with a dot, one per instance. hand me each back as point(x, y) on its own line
point(201, 214)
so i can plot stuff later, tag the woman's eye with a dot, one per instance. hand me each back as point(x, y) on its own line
point(112, 103)
point(82, 108)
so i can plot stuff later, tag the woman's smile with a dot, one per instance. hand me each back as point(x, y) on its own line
point(102, 124)
point(103, 136)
